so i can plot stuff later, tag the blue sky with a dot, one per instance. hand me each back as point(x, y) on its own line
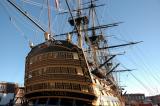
point(141, 23)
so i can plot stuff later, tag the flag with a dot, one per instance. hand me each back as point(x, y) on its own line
point(57, 4)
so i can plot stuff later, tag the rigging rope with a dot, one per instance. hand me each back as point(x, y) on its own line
point(36, 4)
point(19, 29)
point(147, 78)
point(41, 11)
point(148, 69)
point(145, 68)
point(97, 20)
point(13, 21)
point(148, 89)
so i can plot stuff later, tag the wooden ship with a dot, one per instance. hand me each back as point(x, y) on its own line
point(60, 72)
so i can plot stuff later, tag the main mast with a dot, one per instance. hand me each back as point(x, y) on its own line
point(78, 22)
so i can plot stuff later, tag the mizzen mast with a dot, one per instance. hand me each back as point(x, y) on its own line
point(49, 17)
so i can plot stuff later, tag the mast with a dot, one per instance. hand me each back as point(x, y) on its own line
point(46, 34)
point(80, 42)
point(93, 17)
point(77, 22)
point(49, 17)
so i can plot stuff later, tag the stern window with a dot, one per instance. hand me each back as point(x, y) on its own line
point(75, 56)
point(79, 71)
